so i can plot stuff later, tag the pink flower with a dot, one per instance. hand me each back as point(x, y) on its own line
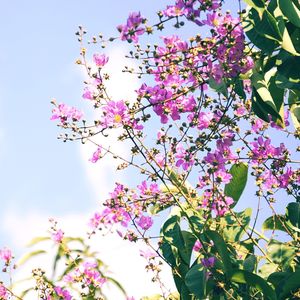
point(151, 190)
point(204, 119)
point(115, 113)
point(64, 112)
point(96, 155)
point(89, 93)
point(62, 293)
point(208, 262)
point(258, 125)
point(174, 11)
point(222, 176)
point(160, 160)
point(270, 181)
point(3, 292)
point(132, 29)
point(148, 254)
point(6, 255)
point(184, 158)
point(57, 236)
point(145, 222)
point(100, 59)
point(197, 247)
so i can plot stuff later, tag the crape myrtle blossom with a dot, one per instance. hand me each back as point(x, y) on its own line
point(116, 114)
point(133, 28)
point(91, 91)
point(208, 262)
point(96, 155)
point(6, 255)
point(65, 113)
point(86, 273)
point(100, 60)
point(63, 293)
point(191, 9)
point(183, 158)
point(197, 246)
point(57, 236)
point(3, 292)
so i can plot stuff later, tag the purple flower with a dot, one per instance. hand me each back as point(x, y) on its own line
point(197, 247)
point(96, 155)
point(64, 112)
point(145, 222)
point(208, 262)
point(100, 59)
point(62, 293)
point(6, 255)
point(3, 292)
point(132, 29)
point(115, 113)
point(57, 236)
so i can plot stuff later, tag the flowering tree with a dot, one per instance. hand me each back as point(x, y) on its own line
point(213, 110)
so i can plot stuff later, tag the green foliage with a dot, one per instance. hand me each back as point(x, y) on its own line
point(274, 29)
point(235, 188)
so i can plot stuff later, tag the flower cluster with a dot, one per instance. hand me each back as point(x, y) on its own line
point(133, 28)
point(65, 113)
point(87, 273)
point(191, 9)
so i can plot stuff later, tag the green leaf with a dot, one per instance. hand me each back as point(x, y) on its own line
point(236, 186)
point(290, 10)
point(278, 97)
point(250, 263)
point(117, 284)
point(221, 247)
point(275, 222)
point(265, 25)
point(293, 214)
point(168, 253)
point(263, 100)
point(294, 33)
point(292, 283)
point(261, 108)
point(239, 88)
point(241, 276)
point(263, 43)
point(218, 87)
point(172, 234)
point(267, 268)
point(287, 43)
point(281, 253)
point(184, 293)
point(234, 226)
point(195, 281)
point(288, 73)
point(30, 255)
point(294, 104)
point(189, 242)
point(276, 278)
point(37, 240)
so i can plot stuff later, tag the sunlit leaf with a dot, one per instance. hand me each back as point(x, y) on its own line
point(236, 186)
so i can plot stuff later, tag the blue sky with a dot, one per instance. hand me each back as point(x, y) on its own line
point(38, 49)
